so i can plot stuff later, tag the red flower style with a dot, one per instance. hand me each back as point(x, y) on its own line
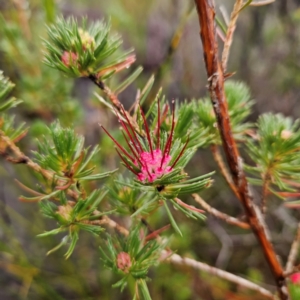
point(153, 164)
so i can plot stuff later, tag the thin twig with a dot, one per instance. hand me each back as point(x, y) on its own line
point(184, 261)
point(20, 157)
point(224, 171)
point(112, 224)
point(295, 269)
point(220, 215)
point(293, 251)
point(265, 190)
point(261, 2)
point(206, 14)
point(230, 30)
point(114, 100)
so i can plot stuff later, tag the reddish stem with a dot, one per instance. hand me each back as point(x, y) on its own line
point(206, 14)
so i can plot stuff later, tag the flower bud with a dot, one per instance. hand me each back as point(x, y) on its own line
point(285, 134)
point(69, 58)
point(65, 211)
point(124, 262)
point(87, 40)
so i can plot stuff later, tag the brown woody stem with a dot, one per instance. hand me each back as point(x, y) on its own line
point(220, 215)
point(206, 14)
point(185, 261)
point(115, 101)
point(293, 252)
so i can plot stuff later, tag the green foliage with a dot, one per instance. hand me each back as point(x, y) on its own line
point(128, 198)
point(79, 51)
point(45, 94)
point(132, 257)
point(65, 191)
point(73, 217)
point(294, 289)
point(276, 151)
point(5, 88)
point(186, 127)
point(239, 107)
point(6, 102)
point(66, 156)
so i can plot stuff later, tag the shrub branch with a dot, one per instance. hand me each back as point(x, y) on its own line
point(215, 76)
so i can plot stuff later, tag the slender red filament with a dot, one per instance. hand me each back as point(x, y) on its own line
point(169, 141)
point(181, 152)
point(147, 131)
point(132, 129)
point(127, 164)
point(138, 150)
point(119, 146)
point(158, 124)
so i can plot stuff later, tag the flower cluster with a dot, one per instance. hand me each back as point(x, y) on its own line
point(147, 159)
point(88, 49)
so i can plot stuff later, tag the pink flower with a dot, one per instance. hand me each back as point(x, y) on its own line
point(152, 162)
point(123, 262)
point(295, 278)
point(69, 58)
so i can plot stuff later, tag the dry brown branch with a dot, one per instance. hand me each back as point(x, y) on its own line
point(215, 76)
point(293, 252)
point(230, 30)
point(261, 2)
point(220, 215)
point(224, 171)
point(184, 261)
point(20, 157)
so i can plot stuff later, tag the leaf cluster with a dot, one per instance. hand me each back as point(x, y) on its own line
point(128, 198)
point(66, 156)
point(79, 51)
point(239, 108)
point(276, 151)
point(143, 254)
point(73, 217)
point(7, 102)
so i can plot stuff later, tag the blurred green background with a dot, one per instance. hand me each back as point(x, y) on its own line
point(265, 54)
